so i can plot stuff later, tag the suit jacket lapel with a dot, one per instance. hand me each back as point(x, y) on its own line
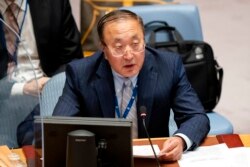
point(146, 85)
point(104, 86)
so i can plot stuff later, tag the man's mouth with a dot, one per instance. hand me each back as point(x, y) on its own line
point(129, 65)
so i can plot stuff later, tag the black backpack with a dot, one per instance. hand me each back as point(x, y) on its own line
point(203, 71)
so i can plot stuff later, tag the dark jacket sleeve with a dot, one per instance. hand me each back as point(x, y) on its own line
point(190, 115)
point(56, 33)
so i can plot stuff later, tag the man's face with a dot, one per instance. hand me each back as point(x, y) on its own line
point(125, 46)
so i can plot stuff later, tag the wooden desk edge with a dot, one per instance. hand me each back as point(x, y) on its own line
point(209, 140)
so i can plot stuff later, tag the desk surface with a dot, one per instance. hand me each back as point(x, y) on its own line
point(230, 140)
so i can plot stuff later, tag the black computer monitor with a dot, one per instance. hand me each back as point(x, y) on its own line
point(116, 133)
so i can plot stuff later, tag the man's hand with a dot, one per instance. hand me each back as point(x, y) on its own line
point(34, 87)
point(172, 149)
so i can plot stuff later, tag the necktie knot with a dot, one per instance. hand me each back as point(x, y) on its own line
point(127, 83)
point(12, 9)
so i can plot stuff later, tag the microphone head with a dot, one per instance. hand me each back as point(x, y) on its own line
point(143, 111)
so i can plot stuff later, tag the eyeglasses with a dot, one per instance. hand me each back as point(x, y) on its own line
point(122, 50)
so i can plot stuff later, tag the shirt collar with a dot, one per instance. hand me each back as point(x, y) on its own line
point(118, 80)
point(3, 6)
point(21, 4)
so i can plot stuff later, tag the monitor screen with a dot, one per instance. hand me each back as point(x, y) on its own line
point(114, 133)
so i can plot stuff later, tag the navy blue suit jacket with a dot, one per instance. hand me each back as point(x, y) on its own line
point(162, 84)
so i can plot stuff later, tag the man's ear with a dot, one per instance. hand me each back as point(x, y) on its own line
point(101, 46)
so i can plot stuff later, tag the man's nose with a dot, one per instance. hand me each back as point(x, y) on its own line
point(128, 54)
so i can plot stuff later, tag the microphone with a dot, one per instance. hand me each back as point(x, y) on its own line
point(143, 114)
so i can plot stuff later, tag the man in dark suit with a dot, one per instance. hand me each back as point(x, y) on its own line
point(56, 34)
point(93, 86)
point(49, 35)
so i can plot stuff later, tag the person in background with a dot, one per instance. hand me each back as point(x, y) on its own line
point(158, 82)
point(38, 39)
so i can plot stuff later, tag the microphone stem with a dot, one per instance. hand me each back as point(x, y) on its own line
point(156, 158)
point(16, 34)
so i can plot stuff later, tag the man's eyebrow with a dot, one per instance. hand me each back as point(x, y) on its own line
point(136, 36)
point(117, 40)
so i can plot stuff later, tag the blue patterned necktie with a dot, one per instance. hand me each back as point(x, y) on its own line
point(132, 115)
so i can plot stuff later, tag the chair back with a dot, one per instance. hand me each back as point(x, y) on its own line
point(185, 17)
point(51, 93)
